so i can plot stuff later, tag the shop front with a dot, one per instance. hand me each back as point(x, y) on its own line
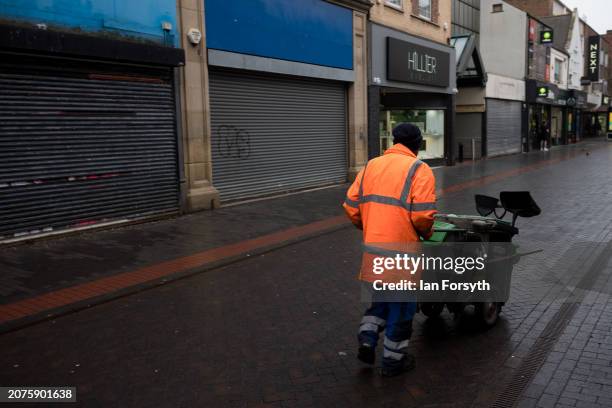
point(592, 123)
point(88, 131)
point(278, 96)
point(576, 104)
point(553, 108)
point(412, 80)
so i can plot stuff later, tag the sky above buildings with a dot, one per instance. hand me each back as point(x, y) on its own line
point(598, 13)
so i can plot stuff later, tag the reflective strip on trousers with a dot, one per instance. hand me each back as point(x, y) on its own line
point(396, 345)
point(392, 354)
point(368, 327)
point(373, 319)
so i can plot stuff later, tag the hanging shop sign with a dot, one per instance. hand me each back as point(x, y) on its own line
point(409, 62)
point(543, 91)
point(593, 58)
point(546, 36)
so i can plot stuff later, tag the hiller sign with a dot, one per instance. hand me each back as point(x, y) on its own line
point(409, 62)
point(593, 59)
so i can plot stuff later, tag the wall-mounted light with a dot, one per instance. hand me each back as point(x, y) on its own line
point(194, 35)
point(166, 26)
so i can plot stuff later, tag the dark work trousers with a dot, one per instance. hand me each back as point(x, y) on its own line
point(395, 318)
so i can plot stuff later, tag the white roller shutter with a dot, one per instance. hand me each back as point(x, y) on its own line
point(503, 127)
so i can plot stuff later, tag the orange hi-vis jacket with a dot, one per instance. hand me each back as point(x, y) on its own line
point(393, 199)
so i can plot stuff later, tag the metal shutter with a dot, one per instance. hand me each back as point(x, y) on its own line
point(276, 134)
point(503, 127)
point(78, 148)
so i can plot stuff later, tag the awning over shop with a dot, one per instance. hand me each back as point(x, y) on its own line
point(470, 69)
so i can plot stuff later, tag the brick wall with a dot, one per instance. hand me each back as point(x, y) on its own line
point(405, 19)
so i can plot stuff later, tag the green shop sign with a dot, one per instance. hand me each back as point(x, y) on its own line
point(543, 91)
point(546, 37)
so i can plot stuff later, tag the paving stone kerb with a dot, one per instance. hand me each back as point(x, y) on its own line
point(279, 328)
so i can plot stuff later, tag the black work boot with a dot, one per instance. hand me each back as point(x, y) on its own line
point(366, 354)
point(404, 365)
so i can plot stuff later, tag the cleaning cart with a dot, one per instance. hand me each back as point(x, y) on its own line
point(488, 233)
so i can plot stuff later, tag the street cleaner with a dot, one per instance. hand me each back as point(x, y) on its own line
point(393, 201)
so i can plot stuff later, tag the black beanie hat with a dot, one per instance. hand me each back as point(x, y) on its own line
point(408, 135)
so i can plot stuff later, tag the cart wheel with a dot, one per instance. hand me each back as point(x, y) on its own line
point(432, 309)
point(488, 312)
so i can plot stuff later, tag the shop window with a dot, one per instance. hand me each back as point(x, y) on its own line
point(431, 123)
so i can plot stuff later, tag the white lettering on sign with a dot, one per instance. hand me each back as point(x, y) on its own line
point(593, 57)
point(422, 62)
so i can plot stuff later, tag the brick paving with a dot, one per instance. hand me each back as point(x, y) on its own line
point(278, 329)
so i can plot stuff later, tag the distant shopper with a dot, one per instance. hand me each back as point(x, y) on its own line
point(543, 136)
point(597, 127)
point(393, 200)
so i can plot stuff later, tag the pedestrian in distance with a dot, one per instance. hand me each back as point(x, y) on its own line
point(393, 201)
point(543, 136)
point(597, 127)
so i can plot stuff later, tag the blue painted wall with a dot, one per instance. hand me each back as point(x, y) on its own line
point(135, 18)
point(310, 31)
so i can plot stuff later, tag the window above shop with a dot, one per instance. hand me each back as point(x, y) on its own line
point(558, 67)
point(397, 4)
point(424, 9)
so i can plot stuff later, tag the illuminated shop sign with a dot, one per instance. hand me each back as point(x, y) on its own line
point(543, 91)
point(546, 36)
point(593, 58)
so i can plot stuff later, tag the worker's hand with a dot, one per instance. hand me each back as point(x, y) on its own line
point(428, 234)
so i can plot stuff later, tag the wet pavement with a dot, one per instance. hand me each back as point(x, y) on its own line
point(278, 329)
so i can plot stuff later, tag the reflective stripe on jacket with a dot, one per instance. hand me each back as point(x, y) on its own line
point(393, 198)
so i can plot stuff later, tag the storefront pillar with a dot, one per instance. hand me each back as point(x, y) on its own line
point(373, 117)
point(449, 139)
point(195, 116)
point(358, 99)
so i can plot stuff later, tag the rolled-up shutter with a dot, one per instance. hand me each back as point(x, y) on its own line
point(503, 127)
point(81, 146)
point(274, 134)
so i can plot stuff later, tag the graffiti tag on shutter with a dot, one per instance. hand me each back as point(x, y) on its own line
point(233, 142)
